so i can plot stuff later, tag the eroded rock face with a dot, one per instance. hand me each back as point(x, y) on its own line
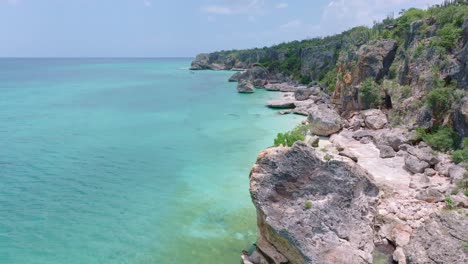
point(374, 118)
point(460, 117)
point(245, 87)
point(313, 211)
point(324, 120)
point(441, 240)
point(372, 60)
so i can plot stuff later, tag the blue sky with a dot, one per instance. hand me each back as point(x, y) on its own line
point(175, 28)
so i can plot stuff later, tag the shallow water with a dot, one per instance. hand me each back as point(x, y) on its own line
point(127, 161)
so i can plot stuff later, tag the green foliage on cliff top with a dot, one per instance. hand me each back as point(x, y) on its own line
point(461, 155)
point(288, 138)
point(370, 93)
point(442, 138)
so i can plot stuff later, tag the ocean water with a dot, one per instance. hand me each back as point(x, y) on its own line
point(127, 161)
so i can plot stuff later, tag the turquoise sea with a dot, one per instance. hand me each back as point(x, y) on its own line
point(127, 161)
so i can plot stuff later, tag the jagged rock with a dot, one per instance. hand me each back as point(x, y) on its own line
point(362, 134)
point(441, 240)
point(304, 93)
point(324, 121)
point(460, 118)
point(456, 173)
point(399, 256)
point(415, 165)
point(348, 154)
point(235, 77)
point(374, 118)
point(281, 103)
point(425, 154)
point(430, 195)
point(392, 137)
point(460, 200)
point(245, 87)
point(419, 181)
point(335, 228)
point(386, 151)
point(365, 140)
point(371, 60)
point(282, 87)
point(302, 107)
point(429, 172)
point(312, 141)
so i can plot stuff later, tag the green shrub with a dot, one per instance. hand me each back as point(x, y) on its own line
point(461, 155)
point(329, 80)
point(305, 79)
point(440, 101)
point(443, 138)
point(370, 93)
point(288, 138)
point(307, 205)
point(328, 157)
point(448, 36)
point(449, 202)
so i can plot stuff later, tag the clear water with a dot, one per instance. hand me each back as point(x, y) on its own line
point(127, 161)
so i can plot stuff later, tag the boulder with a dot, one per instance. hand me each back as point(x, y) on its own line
point(313, 211)
point(374, 118)
point(460, 118)
point(394, 137)
point(348, 154)
point(236, 77)
point(414, 165)
point(440, 240)
point(430, 195)
point(302, 94)
point(425, 154)
point(324, 121)
point(456, 173)
point(245, 87)
point(386, 151)
point(312, 141)
point(281, 104)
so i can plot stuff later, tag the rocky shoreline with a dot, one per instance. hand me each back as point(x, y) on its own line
point(359, 188)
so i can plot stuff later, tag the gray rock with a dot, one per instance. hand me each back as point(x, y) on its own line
point(348, 154)
point(362, 133)
point(456, 173)
point(460, 118)
point(365, 140)
point(386, 151)
point(235, 77)
point(425, 154)
point(414, 165)
point(374, 118)
point(324, 121)
point(245, 87)
point(312, 141)
point(336, 228)
point(441, 240)
point(302, 94)
point(392, 137)
point(281, 104)
point(430, 195)
point(430, 172)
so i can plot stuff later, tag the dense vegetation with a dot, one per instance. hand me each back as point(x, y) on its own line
point(288, 138)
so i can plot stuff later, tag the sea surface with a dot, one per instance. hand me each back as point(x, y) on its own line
point(127, 161)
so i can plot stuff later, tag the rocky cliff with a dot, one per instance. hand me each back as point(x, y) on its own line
point(380, 176)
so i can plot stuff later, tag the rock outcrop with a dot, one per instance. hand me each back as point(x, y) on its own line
point(245, 87)
point(312, 211)
point(372, 60)
point(324, 121)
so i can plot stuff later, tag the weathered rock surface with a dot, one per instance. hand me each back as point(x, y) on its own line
point(371, 60)
point(415, 165)
point(281, 103)
point(324, 120)
point(441, 240)
point(304, 93)
point(336, 228)
point(386, 151)
point(374, 118)
point(460, 117)
point(245, 87)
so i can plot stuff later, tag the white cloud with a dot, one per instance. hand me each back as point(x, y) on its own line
point(147, 3)
point(218, 10)
point(245, 7)
point(281, 5)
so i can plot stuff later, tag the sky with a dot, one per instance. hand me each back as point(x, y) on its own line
point(175, 28)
